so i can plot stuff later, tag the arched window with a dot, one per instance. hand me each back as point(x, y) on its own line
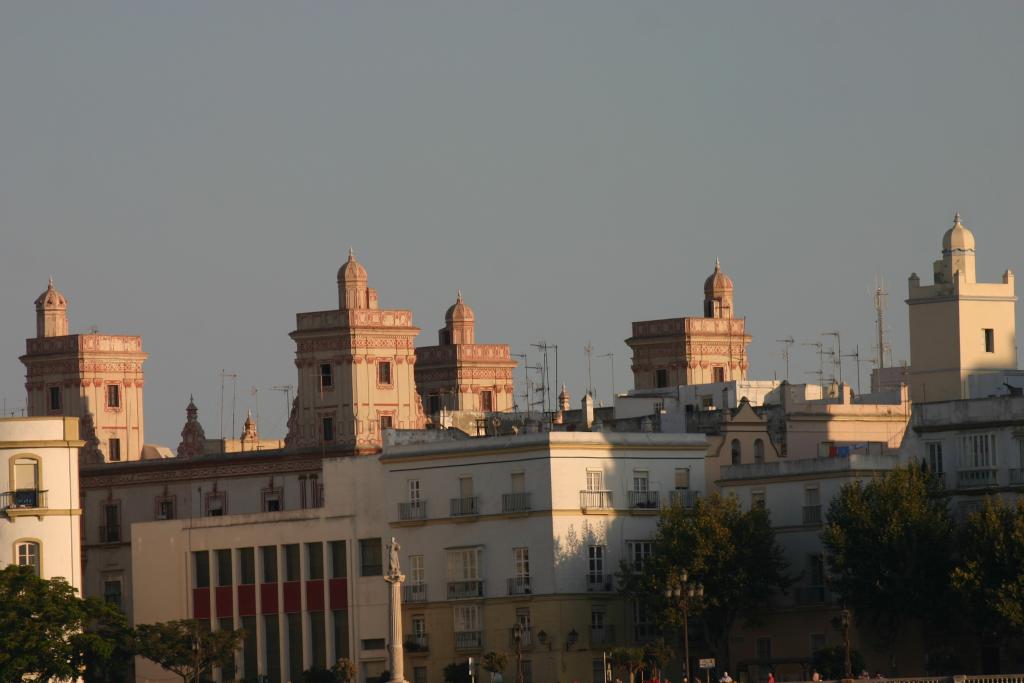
point(758, 451)
point(26, 554)
point(736, 452)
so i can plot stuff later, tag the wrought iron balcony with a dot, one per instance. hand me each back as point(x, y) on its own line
point(683, 497)
point(967, 479)
point(469, 505)
point(110, 534)
point(414, 592)
point(412, 511)
point(462, 590)
point(23, 498)
point(602, 635)
point(416, 642)
point(515, 502)
point(1016, 475)
point(643, 500)
point(812, 514)
point(595, 500)
point(519, 585)
point(599, 583)
point(469, 640)
point(525, 638)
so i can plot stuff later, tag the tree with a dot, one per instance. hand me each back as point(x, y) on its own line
point(186, 647)
point(731, 552)
point(830, 661)
point(887, 545)
point(457, 673)
point(343, 671)
point(494, 662)
point(989, 576)
point(630, 660)
point(659, 653)
point(47, 631)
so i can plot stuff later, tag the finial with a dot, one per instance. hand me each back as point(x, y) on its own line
point(351, 254)
point(190, 399)
point(458, 297)
point(956, 219)
point(50, 285)
point(718, 264)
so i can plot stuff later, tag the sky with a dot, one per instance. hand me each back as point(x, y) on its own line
point(196, 172)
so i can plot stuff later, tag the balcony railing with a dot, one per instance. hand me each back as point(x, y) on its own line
point(465, 506)
point(417, 642)
point(519, 585)
point(25, 498)
point(525, 638)
point(595, 500)
point(683, 497)
point(412, 511)
point(812, 514)
point(110, 534)
point(414, 592)
point(469, 640)
point(966, 479)
point(515, 502)
point(1016, 475)
point(809, 595)
point(599, 583)
point(644, 500)
point(602, 635)
point(462, 590)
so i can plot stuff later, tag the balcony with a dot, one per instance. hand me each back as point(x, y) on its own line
point(969, 479)
point(599, 583)
point(595, 500)
point(812, 514)
point(24, 498)
point(519, 585)
point(515, 502)
point(414, 592)
point(110, 534)
point(525, 638)
point(417, 642)
point(643, 500)
point(413, 511)
point(463, 507)
point(469, 640)
point(464, 590)
point(683, 497)
point(809, 595)
point(602, 635)
point(1016, 476)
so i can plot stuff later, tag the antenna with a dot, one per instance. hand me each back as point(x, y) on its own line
point(285, 389)
point(837, 353)
point(821, 362)
point(856, 357)
point(880, 295)
point(233, 377)
point(589, 351)
point(611, 362)
point(786, 344)
point(526, 384)
point(543, 346)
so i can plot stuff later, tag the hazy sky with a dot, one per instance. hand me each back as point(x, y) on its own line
point(195, 172)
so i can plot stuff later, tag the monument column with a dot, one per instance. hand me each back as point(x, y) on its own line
point(396, 654)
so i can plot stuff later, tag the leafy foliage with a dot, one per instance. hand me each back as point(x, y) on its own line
point(343, 671)
point(731, 552)
point(829, 662)
point(186, 647)
point(457, 673)
point(630, 660)
point(48, 632)
point(888, 551)
point(494, 661)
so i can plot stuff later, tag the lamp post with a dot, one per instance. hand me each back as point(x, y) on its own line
point(844, 617)
point(517, 636)
point(680, 591)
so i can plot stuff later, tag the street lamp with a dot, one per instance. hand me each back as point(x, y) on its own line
point(680, 592)
point(517, 636)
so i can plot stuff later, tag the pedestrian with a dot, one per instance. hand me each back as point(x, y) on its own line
point(726, 678)
point(771, 677)
point(816, 677)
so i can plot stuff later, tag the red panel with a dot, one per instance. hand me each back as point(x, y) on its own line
point(339, 593)
point(268, 598)
point(201, 603)
point(247, 601)
point(222, 596)
point(292, 596)
point(315, 596)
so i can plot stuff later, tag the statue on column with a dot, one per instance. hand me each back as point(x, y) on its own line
point(394, 576)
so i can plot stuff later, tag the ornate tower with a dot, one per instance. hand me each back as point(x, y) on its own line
point(355, 366)
point(718, 294)
point(95, 377)
point(192, 435)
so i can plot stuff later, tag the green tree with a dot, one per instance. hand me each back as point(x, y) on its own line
point(989, 576)
point(343, 671)
point(186, 647)
point(630, 660)
point(457, 673)
point(731, 552)
point(888, 550)
point(659, 653)
point(47, 631)
point(830, 661)
point(494, 662)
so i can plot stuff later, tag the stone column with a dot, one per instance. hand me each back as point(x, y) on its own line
point(396, 654)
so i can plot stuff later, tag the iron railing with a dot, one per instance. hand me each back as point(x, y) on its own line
point(595, 500)
point(412, 511)
point(966, 479)
point(414, 592)
point(525, 638)
point(602, 635)
point(469, 640)
point(110, 534)
point(598, 582)
point(683, 497)
point(519, 585)
point(812, 514)
point(461, 590)
point(417, 642)
point(23, 498)
point(643, 499)
point(515, 502)
point(465, 506)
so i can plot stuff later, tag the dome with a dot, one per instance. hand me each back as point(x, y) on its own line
point(958, 237)
point(459, 311)
point(51, 298)
point(352, 271)
point(717, 281)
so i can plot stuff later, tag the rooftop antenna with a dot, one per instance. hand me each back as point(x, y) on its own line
point(589, 351)
point(821, 362)
point(611, 362)
point(786, 344)
point(526, 384)
point(880, 295)
point(856, 357)
point(837, 353)
point(255, 393)
point(224, 374)
point(543, 347)
point(285, 389)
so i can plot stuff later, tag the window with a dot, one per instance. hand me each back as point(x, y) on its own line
point(758, 451)
point(112, 592)
point(165, 508)
point(385, 422)
point(327, 428)
point(326, 376)
point(372, 644)
point(384, 372)
point(486, 401)
point(339, 560)
point(467, 618)
point(26, 474)
point(719, 374)
point(764, 648)
point(990, 340)
point(465, 487)
point(598, 617)
point(370, 557)
point(113, 395)
point(661, 378)
point(315, 561)
point(682, 478)
point(935, 457)
point(641, 481)
point(223, 567)
point(55, 402)
point(595, 480)
point(268, 555)
point(815, 570)
point(291, 562)
point(464, 564)
point(114, 449)
point(201, 562)
point(433, 404)
point(246, 566)
point(756, 498)
point(110, 532)
point(812, 496)
point(527, 671)
point(977, 451)
point(736, 452)
point(27, 555)
point(518, 482)
point(521, 561)
point(216, 504)
point(272, 500)
point(643, 626)
point(595, 563)
point(419, 627)
point(416, 575)
point(639, 552)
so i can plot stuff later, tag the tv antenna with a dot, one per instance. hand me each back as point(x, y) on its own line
point(234, 384)
point(856, 358)
point(285, 389)
point(588, 350)
point(526, 384)
point(821, 362)
point(786, 344)
point(611, 362)
point(883, 347)
point(837, 353)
